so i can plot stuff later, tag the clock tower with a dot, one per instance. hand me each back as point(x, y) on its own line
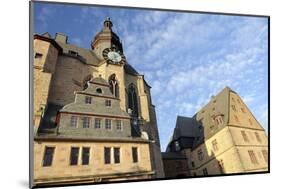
point(107, 40)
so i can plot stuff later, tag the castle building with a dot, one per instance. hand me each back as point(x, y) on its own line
point(93, 117)
point(223, 137)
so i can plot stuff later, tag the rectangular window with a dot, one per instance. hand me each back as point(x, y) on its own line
point(73, 121)
point(253, 157)
point(88, 100)
point(38, 55)
point(135, 154)
point(221, 166)
point(107, 155)
point(74, 154)
point(258, 137)
point(97, 123)
point(236, 118)
point(233, 108)
point(107, 124)
point(245, 137)
point(200, 154)
point(215, 145)
point(108, 103)
point(243, 110)
point(86, 122)
point(119, 125)
point(265, 155)
point(238, 101)
point(85, 155)
point(48, 156)
point(250, 121)
point(205, 171)
point(192, 164)
point(116, 155)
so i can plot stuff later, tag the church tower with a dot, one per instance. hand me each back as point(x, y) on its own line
point(106, 38)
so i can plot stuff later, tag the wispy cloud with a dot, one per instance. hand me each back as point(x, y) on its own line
point(185, 57)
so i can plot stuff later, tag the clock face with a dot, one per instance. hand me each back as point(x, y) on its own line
point(113, 56)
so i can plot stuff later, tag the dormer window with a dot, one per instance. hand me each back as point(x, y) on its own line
point(73, 53)
point(88, 100)
point(99, 90)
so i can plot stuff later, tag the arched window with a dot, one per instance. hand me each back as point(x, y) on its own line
point(114, 87)
point(132, 100)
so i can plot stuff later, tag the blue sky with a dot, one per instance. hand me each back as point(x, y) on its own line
point(185, 57)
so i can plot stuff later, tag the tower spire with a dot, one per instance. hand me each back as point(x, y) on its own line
point(107, 24)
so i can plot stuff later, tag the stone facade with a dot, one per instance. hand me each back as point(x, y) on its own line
point(222, 138)
point(64, 75)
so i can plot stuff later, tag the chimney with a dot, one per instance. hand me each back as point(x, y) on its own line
point(61, 38)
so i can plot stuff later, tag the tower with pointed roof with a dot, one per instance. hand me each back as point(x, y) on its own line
point(93, 115)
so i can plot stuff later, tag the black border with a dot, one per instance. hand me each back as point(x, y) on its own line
point(31, 16)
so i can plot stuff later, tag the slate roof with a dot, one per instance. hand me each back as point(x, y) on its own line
point(172, 155)
point(185, 127)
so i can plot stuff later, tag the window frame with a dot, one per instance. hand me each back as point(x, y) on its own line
point(107, 159)
point(108, 103)
point(135, 154)
point(87, 156)
point(76, 156)
point(88, 100)
point(99, 125)
point(253, 157)
point(52, 156)
point(72, 121)
point(117, 157)
point(119, 127)
point(245, 136)
point(106, 124)
point(87, 122)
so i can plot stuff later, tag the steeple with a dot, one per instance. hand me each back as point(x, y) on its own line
point(106, 38)
point(107, 24)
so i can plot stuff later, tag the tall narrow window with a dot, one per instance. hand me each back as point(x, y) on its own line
point(119, 125)
point(107, 155)
point(97, 123)
point(215, 145)
point(85, 155)
point(74, 154)
point(114, 87)
point(265, 155)
point(133, 101)
point(116, 155)
point(236, 118)
point(73, 121)
point(258, 137)
point(221, 166)
point(135, 154)
point(48, 156)
point(245, 137)
point(233, 108)
point(107, 124)
point(86, 122)
point(200, 154)
point(253, 157)
point(205, 171)
point(88, 100)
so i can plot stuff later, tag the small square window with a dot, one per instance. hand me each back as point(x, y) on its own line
point(108, 103)
point(233, 108)
point(243, 110)
point(88, 100)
